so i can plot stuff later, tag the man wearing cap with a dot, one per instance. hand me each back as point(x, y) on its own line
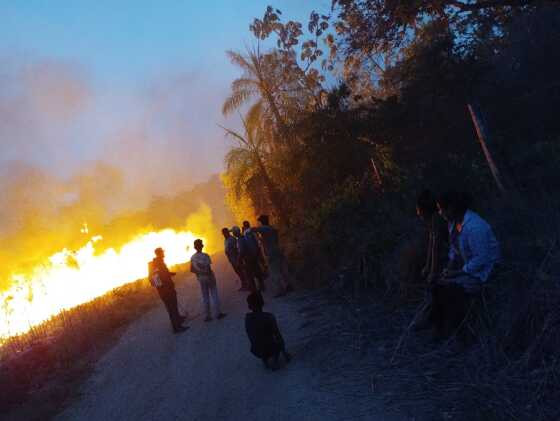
point(161, 279)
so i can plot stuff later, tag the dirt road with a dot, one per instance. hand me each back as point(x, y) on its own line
point(207, 373)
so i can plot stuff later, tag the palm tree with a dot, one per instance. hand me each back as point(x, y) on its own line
point(256, 83)
point(246, 161)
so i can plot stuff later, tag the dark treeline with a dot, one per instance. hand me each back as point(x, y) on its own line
point(339, 164)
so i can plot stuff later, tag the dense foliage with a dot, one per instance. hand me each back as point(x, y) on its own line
point(353, 114)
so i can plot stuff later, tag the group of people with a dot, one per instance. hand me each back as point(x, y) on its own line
point(253, 253)
point(472, 254)
point(455, 278)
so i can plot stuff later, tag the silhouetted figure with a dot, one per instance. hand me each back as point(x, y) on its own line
point(232, 253)
point(473, 253)
point(249, 261)
point(265, 337)
point(427, 211)
point(277, 265)
point(201, 265)
point(161, 279)
point(254, 242)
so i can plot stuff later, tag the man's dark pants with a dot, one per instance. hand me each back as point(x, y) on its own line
point(450, 305)
point(254, 272)
point(168, 295)
point(238, 269)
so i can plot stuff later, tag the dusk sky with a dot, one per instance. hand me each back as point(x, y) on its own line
point(136, 84)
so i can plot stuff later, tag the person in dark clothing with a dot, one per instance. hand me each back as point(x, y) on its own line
point(255, 244)
point(277, 264)
point(232, 253)
point(263, 332)
point(161, 279)
point(427, 211)
point(249, 261)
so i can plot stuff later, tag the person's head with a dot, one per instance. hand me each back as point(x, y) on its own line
point(159, 253)
point(263, 219)
point(255, 301)
point(246, 225)
point(236, 231)
point(452, 205)
point(225, 232)
point(198, 244)
point(426, 205)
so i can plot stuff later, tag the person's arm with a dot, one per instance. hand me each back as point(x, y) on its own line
point(276, 330)
point(193, 267)
point(210, 264)
point(478, 242)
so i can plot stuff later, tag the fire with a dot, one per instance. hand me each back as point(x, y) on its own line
point(71, 278)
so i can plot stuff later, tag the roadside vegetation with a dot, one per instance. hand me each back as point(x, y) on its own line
point(350, 115)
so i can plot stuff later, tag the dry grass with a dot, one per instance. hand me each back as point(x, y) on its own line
point(42, 369)
point(509, 370)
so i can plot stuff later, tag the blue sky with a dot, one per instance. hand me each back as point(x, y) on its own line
point(128, 41)
point(136, 84)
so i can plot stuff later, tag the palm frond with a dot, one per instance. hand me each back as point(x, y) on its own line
point(255, 114)
point(232, 133)
point(244, 84)
point(236, 100)
point(239, 60)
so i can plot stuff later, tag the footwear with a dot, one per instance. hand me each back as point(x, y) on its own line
point(289, 288)
point(180, 329)
point(280, 294)
point(221, 316)
point(208, 319)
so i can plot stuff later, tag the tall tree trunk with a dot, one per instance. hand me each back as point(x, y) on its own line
point(482, 138)
point(275, 196)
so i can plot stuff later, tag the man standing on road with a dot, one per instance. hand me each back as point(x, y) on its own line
point(277, 264)
point(249, 260)
point(232, 253)
point(254, 242)
point(161, 279)
point(201, 265)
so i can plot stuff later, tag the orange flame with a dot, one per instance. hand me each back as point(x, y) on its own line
point(73, 278)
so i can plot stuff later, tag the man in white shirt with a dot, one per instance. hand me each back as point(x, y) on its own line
point(201, 265)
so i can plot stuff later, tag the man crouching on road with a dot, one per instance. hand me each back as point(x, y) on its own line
point(161, 279)
point(266, 340)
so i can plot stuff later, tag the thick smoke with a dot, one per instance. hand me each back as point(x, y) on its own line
point(72, 152)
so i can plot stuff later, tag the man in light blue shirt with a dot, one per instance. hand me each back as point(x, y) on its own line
point(473, 253)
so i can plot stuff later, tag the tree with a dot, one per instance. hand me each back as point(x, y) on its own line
point(246, 166)
point(372, 33)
